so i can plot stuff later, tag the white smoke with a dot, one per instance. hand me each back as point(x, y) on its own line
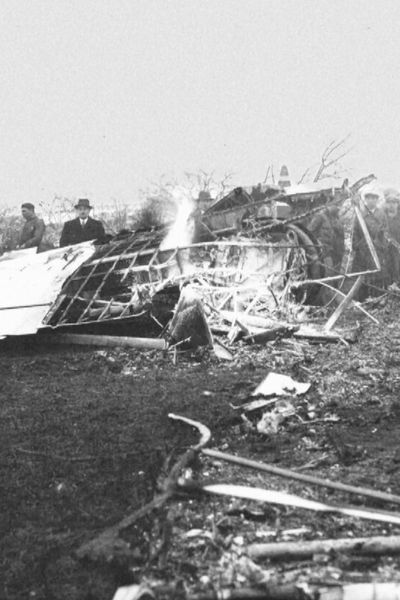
point(182, 231)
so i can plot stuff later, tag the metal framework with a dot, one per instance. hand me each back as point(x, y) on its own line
point(122, 278)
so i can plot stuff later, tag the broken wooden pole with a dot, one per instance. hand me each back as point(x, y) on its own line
point(113, 341)
point(289, 474)
point(367, 237)
point(354, 302)
point(344, 304)
point(300, 550)
point(310, 332)
point(266, 335)
point(246, 319)
point(252, 321)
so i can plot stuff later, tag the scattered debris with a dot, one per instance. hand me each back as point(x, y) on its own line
point(255, 405)
point(290, 474)
point(103, 544)
point(286, 550)
point(221, 351)
point(276, 384)
point(252, 283)
point(134, 592)
point(189, 325)
point(271, 420)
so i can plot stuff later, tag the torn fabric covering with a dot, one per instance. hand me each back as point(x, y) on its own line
point(31, 282)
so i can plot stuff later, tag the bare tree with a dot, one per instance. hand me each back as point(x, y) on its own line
point(331, 157)
point(56, 209)
point(203, 181)
point(305, 174)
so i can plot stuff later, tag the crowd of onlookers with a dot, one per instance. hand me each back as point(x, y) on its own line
point(381, 214)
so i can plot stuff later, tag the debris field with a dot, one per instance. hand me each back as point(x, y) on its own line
point(191, 421)
point(87, 441)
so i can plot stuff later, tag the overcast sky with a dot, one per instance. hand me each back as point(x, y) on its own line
point(98, 97)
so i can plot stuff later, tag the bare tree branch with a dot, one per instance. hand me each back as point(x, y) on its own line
point(267, 174)
point(330, 156)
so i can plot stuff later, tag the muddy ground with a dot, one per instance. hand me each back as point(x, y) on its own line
point(85, 439)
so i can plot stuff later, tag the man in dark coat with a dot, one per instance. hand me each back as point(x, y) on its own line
point(377, 225)
point(33, 230)
point(329, 231)
point(392, 210)
point(83, 228)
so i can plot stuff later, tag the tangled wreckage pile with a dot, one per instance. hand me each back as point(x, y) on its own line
point(252, 270)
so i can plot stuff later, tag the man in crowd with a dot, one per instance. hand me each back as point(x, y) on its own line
point(32, 232)
point(83, 228)
point(377, 225)
point(329, 232)
point(392, 210)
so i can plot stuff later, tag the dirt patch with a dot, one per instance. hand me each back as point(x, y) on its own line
point(85, 437)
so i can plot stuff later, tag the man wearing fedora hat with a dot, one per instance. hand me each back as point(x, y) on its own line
point(83, 228)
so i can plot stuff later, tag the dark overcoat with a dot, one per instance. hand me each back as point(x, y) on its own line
point(74, 233)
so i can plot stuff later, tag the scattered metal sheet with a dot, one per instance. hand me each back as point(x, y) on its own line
point(276, 384)
point(31, 282)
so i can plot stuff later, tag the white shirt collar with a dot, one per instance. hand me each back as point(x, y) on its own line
point(83, 221)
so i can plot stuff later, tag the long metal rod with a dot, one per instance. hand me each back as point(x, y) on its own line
point(250, 244)
point(25, 306)
point(105, 340)
point(289, 474)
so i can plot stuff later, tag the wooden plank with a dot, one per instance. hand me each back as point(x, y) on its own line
point(112, 341)
point(344, 304)
point(309, 332)
point(373, 546)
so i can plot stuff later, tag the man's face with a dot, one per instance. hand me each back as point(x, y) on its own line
point(391, 206)
point(27, 213)
point(83, 212)
point(371, 201)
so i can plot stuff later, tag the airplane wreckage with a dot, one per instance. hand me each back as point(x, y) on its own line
point(251, 269)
